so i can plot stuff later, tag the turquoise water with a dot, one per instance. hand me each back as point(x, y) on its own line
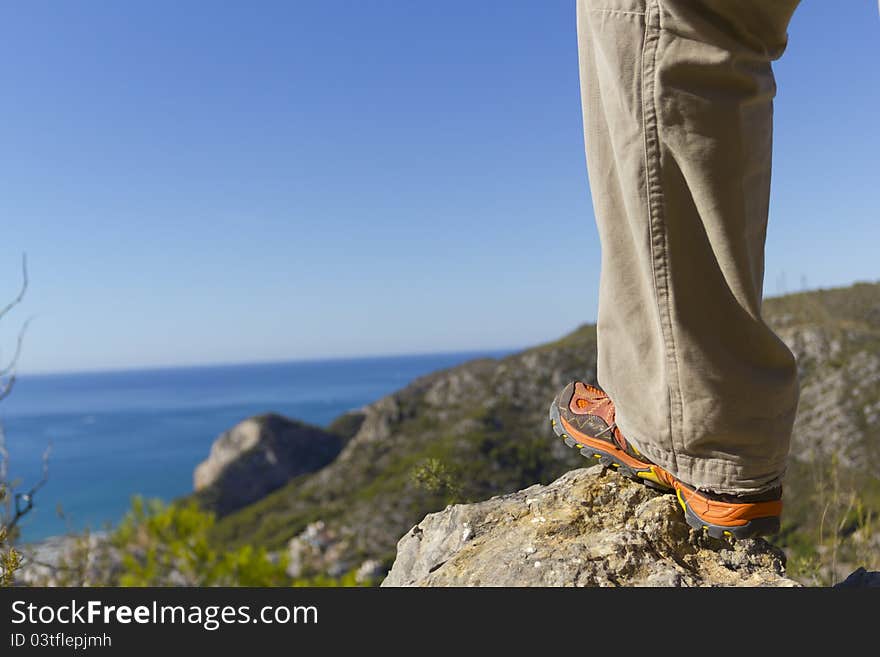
point(116, 434)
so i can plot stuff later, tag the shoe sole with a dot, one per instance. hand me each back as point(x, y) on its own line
point(752, 528)
point(594, 453)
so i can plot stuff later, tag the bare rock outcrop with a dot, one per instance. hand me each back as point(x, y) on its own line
point(258, 456)
point(588, 528)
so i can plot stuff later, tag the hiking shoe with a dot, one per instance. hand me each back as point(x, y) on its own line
point(583, 416)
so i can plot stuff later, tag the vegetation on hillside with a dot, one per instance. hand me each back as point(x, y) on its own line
point(159, 544)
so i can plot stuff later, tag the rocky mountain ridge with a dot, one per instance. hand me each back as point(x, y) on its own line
point(479, 429)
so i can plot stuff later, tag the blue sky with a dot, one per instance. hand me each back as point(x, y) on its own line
point(223, 182)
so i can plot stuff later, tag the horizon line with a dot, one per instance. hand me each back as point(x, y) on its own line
point(442, 352)
point(279, 361)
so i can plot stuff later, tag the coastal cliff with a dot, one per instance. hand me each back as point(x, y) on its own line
point(256, 457)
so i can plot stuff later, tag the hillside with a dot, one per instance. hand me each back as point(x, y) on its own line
point(480, 429)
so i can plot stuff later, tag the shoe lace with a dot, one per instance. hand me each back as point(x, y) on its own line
point(616, 438)
point(610, 427)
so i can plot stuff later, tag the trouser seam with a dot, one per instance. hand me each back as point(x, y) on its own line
point(658, 239)
point(615, 12)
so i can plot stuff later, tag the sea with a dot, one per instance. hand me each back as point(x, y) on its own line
point(113, 435)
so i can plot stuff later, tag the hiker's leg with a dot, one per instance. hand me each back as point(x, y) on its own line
point(677, 100)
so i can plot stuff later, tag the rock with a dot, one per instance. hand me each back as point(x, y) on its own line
point(588, 528)
point(318, 550)
point(87, 559)
point(860, 579)
point(369, 571)
point(257, 456)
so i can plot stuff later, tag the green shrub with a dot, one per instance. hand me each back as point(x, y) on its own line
point(435, 477)
point(167, 545)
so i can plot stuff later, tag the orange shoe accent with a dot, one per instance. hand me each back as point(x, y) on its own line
point(726, 514)
point(605, 446)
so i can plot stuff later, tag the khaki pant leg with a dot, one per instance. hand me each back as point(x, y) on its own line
point(677, 100)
